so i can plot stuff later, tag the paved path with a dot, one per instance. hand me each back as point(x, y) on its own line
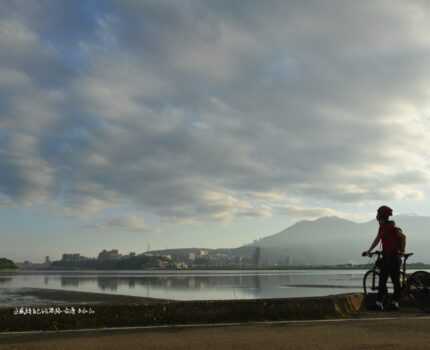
point(386, 331)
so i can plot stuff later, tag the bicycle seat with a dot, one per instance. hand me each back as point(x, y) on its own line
point(407, 255)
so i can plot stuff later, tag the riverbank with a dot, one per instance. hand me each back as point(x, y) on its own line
point(16, 297)
point(120, 311)
point(61, 296)
point(352, 267)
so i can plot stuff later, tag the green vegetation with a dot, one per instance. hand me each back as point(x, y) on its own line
point(6, 264)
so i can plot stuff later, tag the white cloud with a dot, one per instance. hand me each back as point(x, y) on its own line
point(131, 223)
point(202, 111)
point(303, 212)
point(16, 38)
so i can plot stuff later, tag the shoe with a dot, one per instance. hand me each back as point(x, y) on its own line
point(379, 305)
point(395, 305)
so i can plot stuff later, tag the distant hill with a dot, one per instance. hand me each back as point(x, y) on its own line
point(332, 240)
point(325, 241)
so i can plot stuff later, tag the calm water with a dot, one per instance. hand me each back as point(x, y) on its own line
point(192, 285)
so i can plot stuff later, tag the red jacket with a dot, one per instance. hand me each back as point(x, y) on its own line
point(391, 242)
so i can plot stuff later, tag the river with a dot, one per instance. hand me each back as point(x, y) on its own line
point(192, 285)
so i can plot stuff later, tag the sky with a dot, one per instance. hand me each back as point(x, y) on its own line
point(157, 124)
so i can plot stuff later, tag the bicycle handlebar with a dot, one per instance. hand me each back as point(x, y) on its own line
point(379, 253)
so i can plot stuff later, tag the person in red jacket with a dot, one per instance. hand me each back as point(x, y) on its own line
point(393, 246)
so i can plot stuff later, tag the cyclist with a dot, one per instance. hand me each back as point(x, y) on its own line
point(393, 246)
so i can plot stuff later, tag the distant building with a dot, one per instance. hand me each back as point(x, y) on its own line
point(192, 256)
point(24, 265)
point(197, 254)
point(109, 255)
point(163, 264)
point(288, 260)
point(76, 257)
point(257, 256)
point(47, 260)
point(181, 265)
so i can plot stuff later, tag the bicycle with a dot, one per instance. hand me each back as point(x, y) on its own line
point(415, 286)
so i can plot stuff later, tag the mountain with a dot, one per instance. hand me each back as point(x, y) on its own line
point(332, 240)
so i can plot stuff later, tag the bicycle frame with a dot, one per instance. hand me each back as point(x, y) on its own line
point(375, 271)
point(416, 286)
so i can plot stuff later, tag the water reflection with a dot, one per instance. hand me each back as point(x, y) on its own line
point(5, 280)
point(198, 285)
point(70, 282)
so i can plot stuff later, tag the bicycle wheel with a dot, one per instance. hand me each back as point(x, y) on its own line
point(419, 289)
point(370, 282)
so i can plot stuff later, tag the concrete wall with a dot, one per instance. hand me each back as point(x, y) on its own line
point(186, 312)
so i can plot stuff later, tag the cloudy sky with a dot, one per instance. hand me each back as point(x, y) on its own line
point(125, 124)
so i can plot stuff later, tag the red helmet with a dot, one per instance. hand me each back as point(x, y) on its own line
point(385, 211)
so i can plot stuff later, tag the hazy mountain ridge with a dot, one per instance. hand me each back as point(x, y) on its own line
point(332, 240)
point(324, 241)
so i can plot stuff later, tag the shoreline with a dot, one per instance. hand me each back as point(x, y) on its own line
point(120, 311)
point(61, 296)
point(414, 265)
point(167, 271)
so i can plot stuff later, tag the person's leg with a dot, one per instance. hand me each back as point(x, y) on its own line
point(382, 288)
point(395, 277)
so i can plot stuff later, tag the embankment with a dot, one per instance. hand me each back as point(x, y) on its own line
point(148, 312)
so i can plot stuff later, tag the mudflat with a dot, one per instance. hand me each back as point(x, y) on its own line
point(400, 333)
point(60, 296)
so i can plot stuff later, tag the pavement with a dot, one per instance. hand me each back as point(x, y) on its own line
point(407, 329)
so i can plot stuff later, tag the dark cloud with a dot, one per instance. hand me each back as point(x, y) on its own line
point(183, 109)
